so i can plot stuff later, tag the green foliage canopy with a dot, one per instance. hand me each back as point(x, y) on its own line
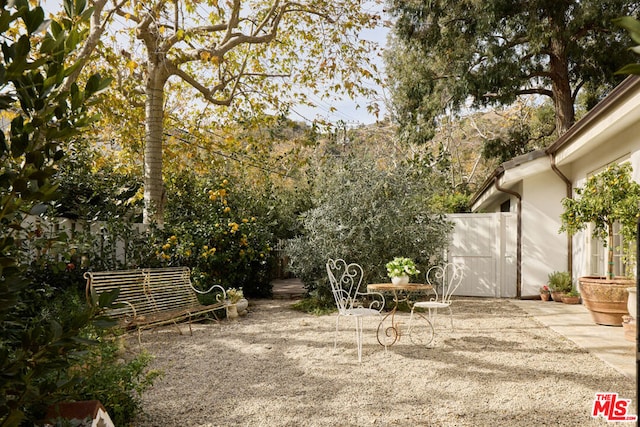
point(632, 26)
point(448, 53)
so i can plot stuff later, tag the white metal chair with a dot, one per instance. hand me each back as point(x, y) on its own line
point(445, 279)
point(346, 280)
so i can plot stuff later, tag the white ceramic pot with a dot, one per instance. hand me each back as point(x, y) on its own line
point(631, 302)
point(401, 280)
point(242, 305)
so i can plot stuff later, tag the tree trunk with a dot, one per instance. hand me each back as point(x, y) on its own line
point(560, 86)
point(610, 252)
point(154, 195)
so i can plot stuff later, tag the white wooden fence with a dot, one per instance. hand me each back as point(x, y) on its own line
point(486, 245)
point(93, 237)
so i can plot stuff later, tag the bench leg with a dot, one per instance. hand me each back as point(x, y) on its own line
point(177, 327)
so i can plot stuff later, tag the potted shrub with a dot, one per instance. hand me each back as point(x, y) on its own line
point(559, 283)
point(607, 198)
point(571, 297)
point(234, 297)
point(399, 270)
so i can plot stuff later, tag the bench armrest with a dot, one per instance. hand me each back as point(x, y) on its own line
point(222, 291)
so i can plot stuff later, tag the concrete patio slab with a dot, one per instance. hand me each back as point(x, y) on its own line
point(574, 322)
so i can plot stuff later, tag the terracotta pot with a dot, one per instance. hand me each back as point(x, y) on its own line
point(570, 300)
point(545, 296)
point(557, 296)
point(606, 299)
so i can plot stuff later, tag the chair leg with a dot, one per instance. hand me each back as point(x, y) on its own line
point(432, 316)
point(420, 330)
point(359, 336)
point(335, 337)
point(411, 318)
point(451, 318)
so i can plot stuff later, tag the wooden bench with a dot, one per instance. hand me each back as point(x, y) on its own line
point(152, 296)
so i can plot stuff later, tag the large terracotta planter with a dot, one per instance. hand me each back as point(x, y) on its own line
point(606, 299)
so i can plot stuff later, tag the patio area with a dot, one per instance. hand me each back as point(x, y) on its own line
point(574, 323)
point(507, 363)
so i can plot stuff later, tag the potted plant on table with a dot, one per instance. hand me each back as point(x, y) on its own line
point(607, 198)
point(399, 270)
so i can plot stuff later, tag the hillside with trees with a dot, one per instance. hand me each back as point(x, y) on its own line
point(452, 56)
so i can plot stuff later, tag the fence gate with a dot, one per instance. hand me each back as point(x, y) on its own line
point(486, 245)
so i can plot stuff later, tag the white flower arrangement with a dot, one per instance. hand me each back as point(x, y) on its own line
point(234, 295)
point(401, 266)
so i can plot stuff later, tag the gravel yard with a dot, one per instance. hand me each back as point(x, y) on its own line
point(277, 367)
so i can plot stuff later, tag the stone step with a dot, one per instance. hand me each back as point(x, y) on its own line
point(288, 289)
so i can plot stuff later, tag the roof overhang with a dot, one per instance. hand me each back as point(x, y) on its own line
point(619, 110)
point(508, 175)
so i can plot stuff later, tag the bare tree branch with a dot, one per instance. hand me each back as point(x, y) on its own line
point(97, 28)
point(576, 90)
point(535, 91)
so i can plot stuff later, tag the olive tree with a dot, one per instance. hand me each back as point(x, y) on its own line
point(369, 211)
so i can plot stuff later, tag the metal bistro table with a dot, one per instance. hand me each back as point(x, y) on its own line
point(420, 329)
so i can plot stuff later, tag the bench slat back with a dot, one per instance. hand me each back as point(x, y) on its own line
point(147, 291)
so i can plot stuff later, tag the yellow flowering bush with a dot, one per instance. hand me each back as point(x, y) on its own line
point(218, 239)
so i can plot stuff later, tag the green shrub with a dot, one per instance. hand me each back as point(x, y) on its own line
point(369, 213)
point(43, 322)
point(560, 281)
point(84, 363)
point(92, 187)
point(107, 376)
point(316, 303)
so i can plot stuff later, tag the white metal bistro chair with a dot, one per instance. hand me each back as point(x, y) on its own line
point(445, 279)
point(346, 280)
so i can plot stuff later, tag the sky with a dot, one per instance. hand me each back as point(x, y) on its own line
point(349, 111)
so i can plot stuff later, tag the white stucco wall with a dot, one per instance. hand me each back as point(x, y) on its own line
point(609, 133)
point(623, 146)
point(544, 250)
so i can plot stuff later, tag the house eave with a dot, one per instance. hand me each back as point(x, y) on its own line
point(619, 110)
point(508, 175)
